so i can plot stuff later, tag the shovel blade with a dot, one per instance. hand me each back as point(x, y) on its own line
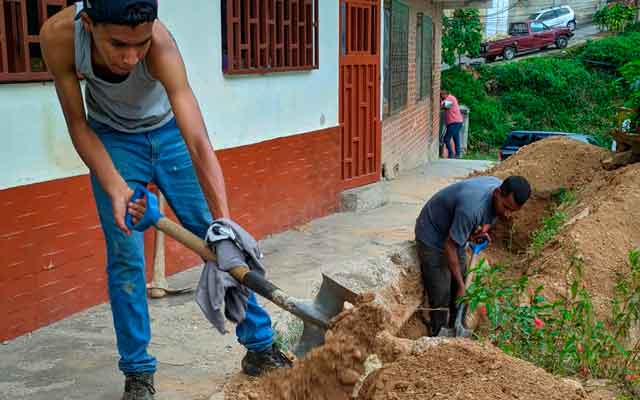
point(329, 302)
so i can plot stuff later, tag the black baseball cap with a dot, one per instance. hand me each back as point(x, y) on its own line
point(114, 11)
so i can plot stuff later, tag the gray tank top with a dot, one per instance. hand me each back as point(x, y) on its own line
point(138, 104)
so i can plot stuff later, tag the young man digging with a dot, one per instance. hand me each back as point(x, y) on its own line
point(459, 213)
point(143, 125)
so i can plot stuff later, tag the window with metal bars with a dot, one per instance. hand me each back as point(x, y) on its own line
point(396, 56)
point(424, 55)
point(20, 54)
point(261, 36)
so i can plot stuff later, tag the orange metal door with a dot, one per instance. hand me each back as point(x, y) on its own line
point(360, 91)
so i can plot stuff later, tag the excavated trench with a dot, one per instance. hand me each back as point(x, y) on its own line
point(377, 350)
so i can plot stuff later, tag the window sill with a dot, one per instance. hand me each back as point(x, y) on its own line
point(267, 71)
point(24, 77)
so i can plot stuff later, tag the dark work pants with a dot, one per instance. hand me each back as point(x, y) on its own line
point(439, 287)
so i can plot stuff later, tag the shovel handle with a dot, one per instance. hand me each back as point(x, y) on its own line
point(242, 274)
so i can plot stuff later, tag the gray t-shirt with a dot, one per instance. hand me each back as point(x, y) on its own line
point(457, 210)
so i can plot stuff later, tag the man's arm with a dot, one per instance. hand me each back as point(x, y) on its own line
point(56, 38)
point(167, 66)
point(451, 254)
point(461, 228)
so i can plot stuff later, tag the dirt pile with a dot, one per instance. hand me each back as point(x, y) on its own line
point(463, 369)
point(381, 329)
point(332, 371)
point(601, 225)
point(548, 165)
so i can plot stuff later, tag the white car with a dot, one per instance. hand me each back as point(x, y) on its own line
point(556, 17)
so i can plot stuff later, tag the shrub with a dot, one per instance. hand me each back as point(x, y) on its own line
point(543, 93)
point(615, 17)
point(554, 94)
point(615, 50)
point(635, 27)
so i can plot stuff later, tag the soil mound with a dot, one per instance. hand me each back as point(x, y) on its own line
point(378, 328)
point(601, 225)
point(464, 369)
point(552, 163)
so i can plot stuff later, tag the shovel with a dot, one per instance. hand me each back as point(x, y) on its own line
point(316, 314)
point(460, 327)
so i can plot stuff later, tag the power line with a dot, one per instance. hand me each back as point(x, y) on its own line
point(517, 3)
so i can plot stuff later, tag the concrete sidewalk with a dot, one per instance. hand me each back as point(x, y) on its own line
point(76, 358)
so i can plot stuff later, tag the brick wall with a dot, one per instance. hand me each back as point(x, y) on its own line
point(409, 136)
point(52, 255)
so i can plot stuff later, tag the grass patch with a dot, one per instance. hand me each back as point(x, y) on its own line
point(490, 154)
point(287, 333)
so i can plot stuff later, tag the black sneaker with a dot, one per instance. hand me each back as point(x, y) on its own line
point(138, 387)
point(255, 363)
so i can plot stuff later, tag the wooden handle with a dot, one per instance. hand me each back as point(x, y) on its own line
point(244, 275)
point(196, 244)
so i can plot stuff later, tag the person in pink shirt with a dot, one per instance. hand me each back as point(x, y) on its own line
point(453, 120)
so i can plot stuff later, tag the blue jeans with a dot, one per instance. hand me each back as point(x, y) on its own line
point(158, 156)
point(453, 132)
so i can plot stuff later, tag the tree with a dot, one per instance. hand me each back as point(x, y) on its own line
point(462, 35)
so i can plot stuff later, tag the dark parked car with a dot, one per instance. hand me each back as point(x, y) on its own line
point(517, 139)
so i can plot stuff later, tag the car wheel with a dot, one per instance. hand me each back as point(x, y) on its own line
point(561, 42)
point(489, 59)
point(571, 25)
point(509, 53)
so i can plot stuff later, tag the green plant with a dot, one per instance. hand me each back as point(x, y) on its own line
point(287, 334)
point(615, 17)
point(550, 228)
point(600, 18)
point(551, 225)
point(614, 51)
point(564, 197)
point(554, 94)
point(635, 27)
point(630, 71)
point(562, 336)
point(489, 154)
point(462, 34)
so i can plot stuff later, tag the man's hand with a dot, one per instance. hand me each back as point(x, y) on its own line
point(137, 209)
point(120, 202)
point(482, 233)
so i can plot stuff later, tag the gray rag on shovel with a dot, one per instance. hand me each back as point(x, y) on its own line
point(217, 288)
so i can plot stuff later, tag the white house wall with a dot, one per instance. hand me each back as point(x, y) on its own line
point(238, 110)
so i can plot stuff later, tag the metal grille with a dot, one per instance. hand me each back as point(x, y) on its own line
point(426, 55)
point(399, 56)
point(20, 53)
point(270, 35)
point(360, 20)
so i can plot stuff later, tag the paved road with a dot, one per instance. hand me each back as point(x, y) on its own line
point(582, 34)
